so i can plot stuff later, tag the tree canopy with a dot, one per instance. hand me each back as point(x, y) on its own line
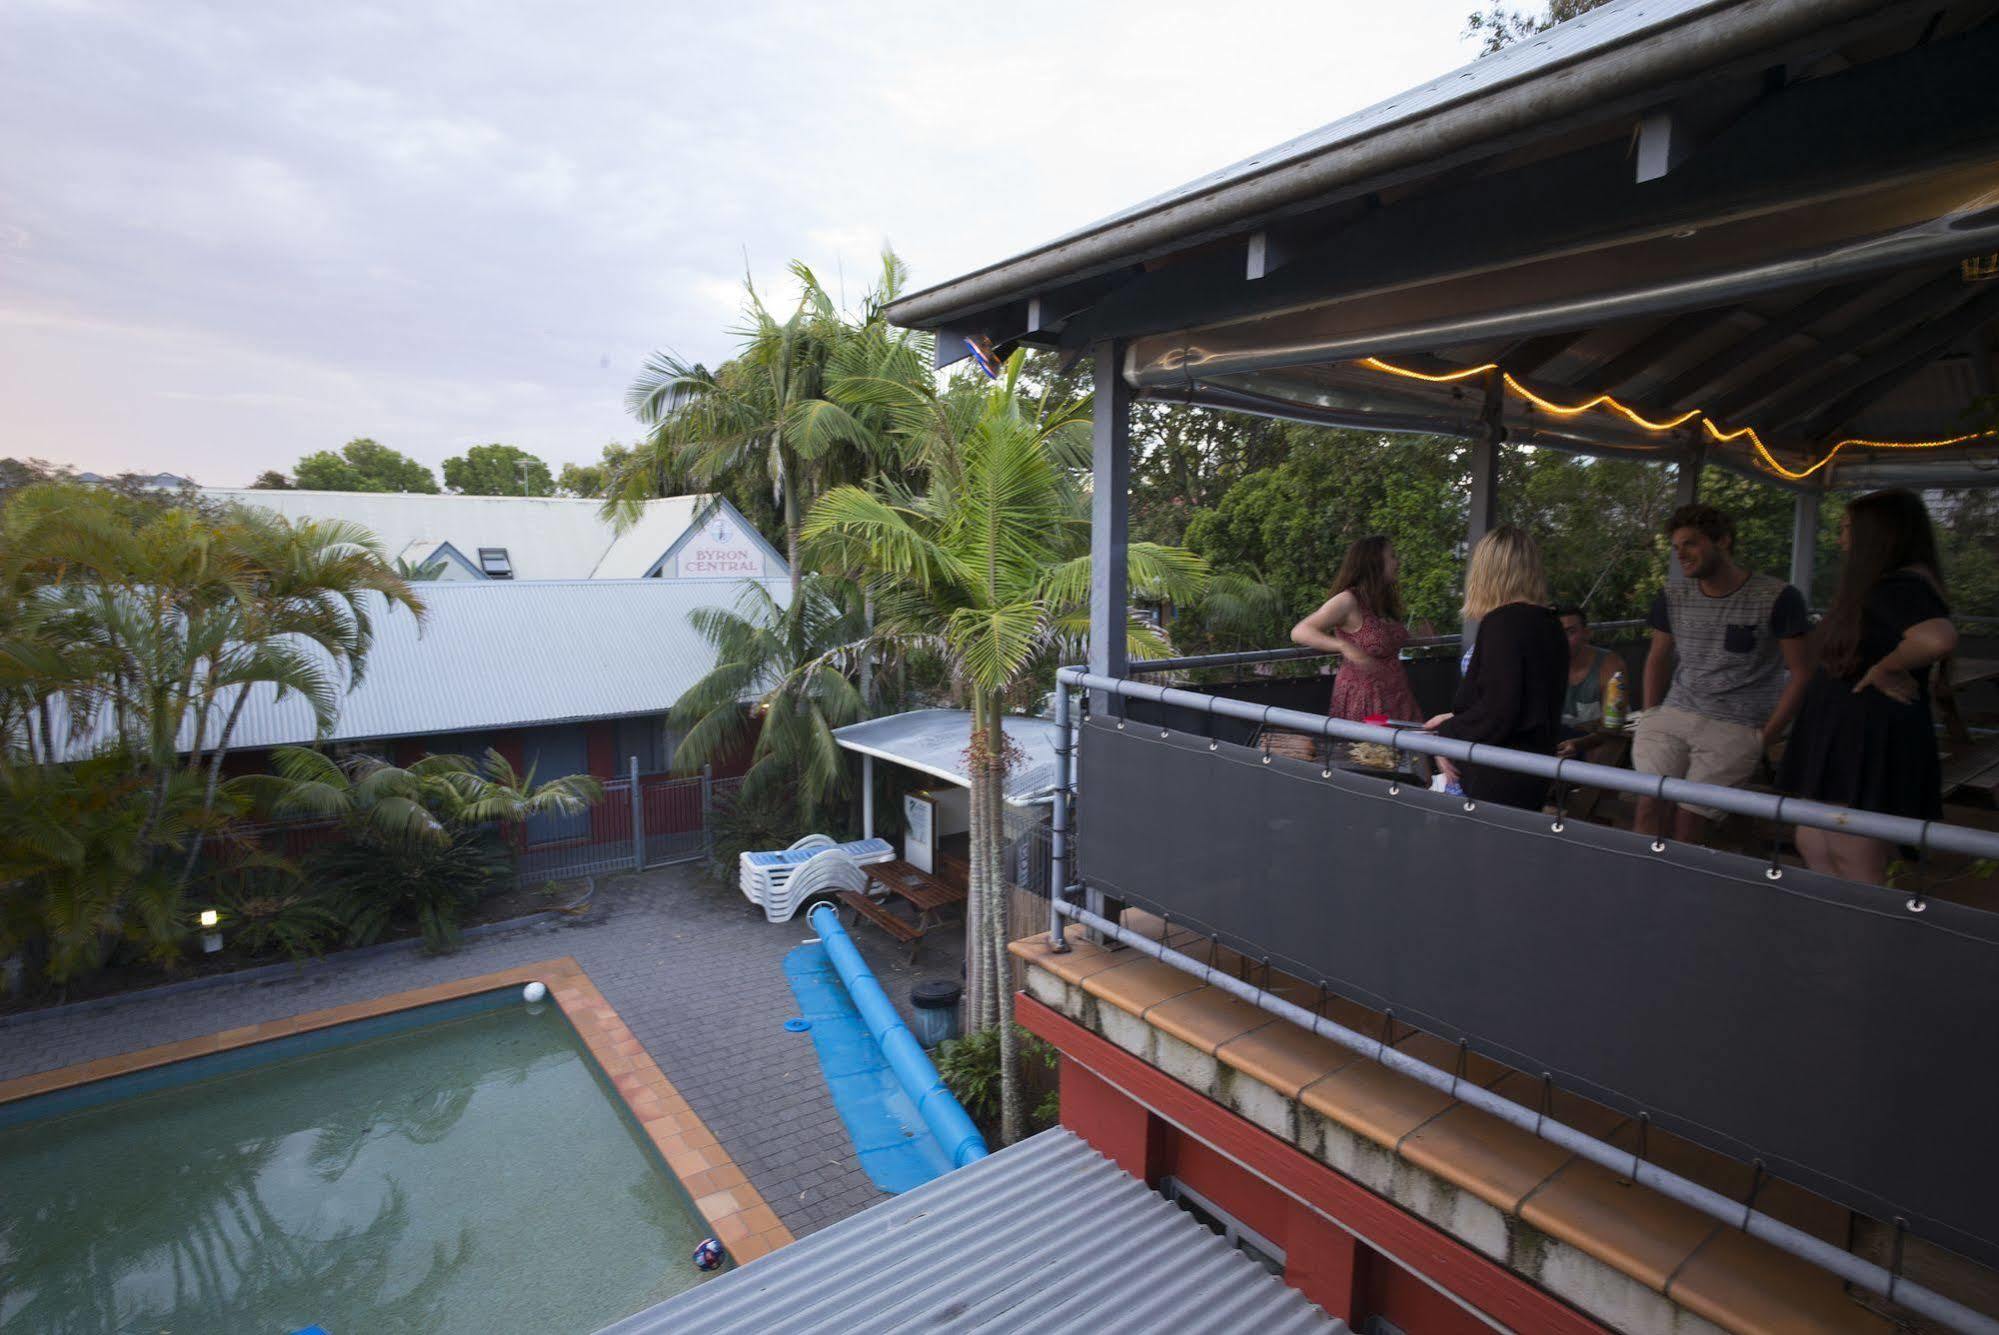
point(594, 480)
point(498, 470)
point(363, 465)
point(1497, 26)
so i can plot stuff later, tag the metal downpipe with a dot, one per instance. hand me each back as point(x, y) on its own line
point(1853, 1269)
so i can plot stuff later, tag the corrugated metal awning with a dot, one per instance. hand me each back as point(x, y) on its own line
point(933, 741)
point(991, 1248)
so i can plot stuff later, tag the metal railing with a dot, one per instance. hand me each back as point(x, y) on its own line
point(1196, 662)
point(1924, 835)
point(1626, 1163)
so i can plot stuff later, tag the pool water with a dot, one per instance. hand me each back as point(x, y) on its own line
point(473, 1174)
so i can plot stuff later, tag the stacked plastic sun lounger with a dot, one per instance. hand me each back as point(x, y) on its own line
point(779, 882)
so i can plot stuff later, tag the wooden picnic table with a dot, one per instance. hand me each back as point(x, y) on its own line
point(1970, 671)
point(927, 894)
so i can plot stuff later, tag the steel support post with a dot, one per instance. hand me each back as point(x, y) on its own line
point(1058, 833)
point(1110, 525)
point(1110, 514)
point(638, 817)
point(867, 797)
point(1804, 542)
point(1687, 476)
point(1483, 513)
point(708, 811)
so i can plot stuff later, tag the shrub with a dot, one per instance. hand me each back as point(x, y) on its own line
point(970, 1068)
point(749, 825)
point(268, 909)
point(376, 883)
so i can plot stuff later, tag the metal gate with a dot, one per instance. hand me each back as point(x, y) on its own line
point(642, 822)
point(673, 817)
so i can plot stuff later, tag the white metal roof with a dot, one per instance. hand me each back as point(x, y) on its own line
point(933, 741)
point(1000, 1245)
point(503, 654)
point(546, 537)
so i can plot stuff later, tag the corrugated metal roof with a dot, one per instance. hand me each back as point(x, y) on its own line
point(1615, 23)
point(546, 537)
point(502, 654)
point(934, 741)
point(999, 1246)
point(1543, 59)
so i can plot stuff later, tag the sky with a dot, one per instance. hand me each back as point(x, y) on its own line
point(234, 234)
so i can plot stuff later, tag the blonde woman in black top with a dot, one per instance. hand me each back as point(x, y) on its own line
point(1512, 691)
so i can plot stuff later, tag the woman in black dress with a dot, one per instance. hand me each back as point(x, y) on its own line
point(1513, 686)
point(1864, 737)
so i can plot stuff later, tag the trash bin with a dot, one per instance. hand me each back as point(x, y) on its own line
point(936, 1005)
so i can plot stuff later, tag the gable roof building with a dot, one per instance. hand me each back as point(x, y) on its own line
point(540, 538)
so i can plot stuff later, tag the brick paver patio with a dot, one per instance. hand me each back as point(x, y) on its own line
point(689, 966)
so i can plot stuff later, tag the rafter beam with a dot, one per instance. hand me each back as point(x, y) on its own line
point(1662, 342)
point(1526, 357)
point(1898, 361)
point(1692, 387)
point(1781, 389)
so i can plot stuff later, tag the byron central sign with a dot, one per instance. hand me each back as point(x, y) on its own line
point(720, 549)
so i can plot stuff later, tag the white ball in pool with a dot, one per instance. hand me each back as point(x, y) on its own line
point(533, 992)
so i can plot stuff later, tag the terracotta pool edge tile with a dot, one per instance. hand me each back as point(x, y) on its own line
point(687, 1149)
point(243, 1036)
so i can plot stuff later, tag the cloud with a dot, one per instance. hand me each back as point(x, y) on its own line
point(256, 231)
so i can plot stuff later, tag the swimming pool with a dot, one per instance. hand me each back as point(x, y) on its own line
point(463, 1166)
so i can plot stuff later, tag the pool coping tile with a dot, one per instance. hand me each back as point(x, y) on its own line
point(741, 1218)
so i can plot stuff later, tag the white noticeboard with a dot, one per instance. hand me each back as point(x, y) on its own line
point(720, 548)
point(919, 832)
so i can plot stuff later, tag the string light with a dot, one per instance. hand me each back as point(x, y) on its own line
point(1631, 414)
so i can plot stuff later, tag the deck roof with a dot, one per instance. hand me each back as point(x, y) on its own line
point(1729, 215)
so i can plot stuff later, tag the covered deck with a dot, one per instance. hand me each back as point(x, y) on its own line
point(1751, 235)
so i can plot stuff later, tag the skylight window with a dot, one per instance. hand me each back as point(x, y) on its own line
point(494, 561)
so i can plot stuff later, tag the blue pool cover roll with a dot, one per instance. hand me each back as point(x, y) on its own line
point(889, 1136)
point(947, 1119)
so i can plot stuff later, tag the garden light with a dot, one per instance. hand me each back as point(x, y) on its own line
point(211, 936)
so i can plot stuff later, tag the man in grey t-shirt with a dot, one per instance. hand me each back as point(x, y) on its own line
point(1742, 670)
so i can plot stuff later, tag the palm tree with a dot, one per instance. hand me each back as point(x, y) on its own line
point(1243, 610)
point(132, 632)
point(766, 411)
point(762, 410)
point(422, 840)
point(988, 568)
point(790, 664)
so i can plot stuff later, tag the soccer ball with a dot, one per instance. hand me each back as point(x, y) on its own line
point(709, 1255)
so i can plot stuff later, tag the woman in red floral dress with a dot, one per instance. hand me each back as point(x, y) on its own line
point(1362, 623)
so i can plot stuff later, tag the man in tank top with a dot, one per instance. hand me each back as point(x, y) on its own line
point(1726, 671)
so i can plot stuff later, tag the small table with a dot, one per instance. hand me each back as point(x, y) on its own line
point(1971, 671)
point(925, 893)
point(1602, 746)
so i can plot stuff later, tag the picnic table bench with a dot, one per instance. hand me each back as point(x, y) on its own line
point(927, 894)
point(1972, 768)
